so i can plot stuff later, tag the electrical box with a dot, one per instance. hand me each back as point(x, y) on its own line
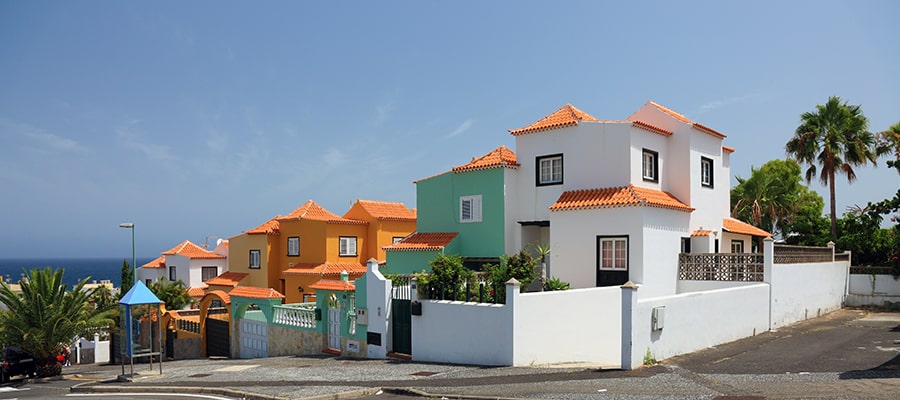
point(362, 316)
point(657, 318)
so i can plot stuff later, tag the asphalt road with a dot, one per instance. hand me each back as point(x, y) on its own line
point(848, 354)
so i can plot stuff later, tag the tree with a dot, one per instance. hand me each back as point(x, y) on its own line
point(174, 294)
point(770, 197)
point(833, 140)
point(127, 278)
point(889, 141)
point(448, 277)
point(519, 266)
point(46, 316)
point(808, 227)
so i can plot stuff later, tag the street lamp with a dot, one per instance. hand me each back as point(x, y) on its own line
point(129, 225)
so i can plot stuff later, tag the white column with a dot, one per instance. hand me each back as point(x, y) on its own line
point(629, 304)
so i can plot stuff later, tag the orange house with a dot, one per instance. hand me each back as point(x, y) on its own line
point(290, 253)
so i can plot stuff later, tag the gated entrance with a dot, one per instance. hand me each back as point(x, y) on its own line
point(334, 328)
point(170, 344)
point(254, 338)
point(401, 318)
point(218, 339)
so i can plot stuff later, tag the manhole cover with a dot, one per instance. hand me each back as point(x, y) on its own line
point(198, 376)
point(425, 373)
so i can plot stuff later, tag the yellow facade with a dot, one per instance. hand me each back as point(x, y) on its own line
point(239, 257)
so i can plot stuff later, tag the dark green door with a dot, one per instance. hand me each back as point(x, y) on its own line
point(218, 338)
point(401, 320)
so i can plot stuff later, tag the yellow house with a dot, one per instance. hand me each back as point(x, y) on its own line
point(290, 253)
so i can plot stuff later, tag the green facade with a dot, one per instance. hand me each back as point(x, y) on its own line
point(409, 262)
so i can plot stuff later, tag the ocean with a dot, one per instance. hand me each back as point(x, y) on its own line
point(74, 269)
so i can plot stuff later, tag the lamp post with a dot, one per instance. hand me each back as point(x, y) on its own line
point(129, 225)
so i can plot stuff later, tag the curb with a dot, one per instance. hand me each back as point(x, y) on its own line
point(94, 387)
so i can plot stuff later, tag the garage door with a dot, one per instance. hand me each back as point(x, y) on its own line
point(254, 339)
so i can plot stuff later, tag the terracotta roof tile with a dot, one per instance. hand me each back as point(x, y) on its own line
point(617, 197)
point(313, 211)
point(158, 262)
point(192, 251)
point(566, 115)
point(499, 157)
point(331, 284)
point(422, 241)
point(255, 293)
point(682, 118)
point(270, 227)
point(701, 232)
point(651, 128)
point(227, 279)
point(728, 149)
point(220, 294)
point(355, 270)
point(388, 211)
point(197, 291)
point(736, 226)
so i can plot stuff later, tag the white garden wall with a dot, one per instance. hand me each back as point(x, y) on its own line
point(694, 321)
point(794, 298)
point(581, 325)
point(463, 333)
point(872, 290)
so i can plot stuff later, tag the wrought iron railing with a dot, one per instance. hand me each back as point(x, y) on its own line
point(187, 325)
point(736, 267)
point(786, 254)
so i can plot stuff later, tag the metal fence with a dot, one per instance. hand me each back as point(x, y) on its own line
point(478, 290)
point(737, 267)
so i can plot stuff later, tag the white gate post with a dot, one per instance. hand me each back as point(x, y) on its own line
point(629, 304)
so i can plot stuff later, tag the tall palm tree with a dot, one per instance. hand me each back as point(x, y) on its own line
point(889, 142)
point(769, 197)
point(833, 140)
point(45, 316)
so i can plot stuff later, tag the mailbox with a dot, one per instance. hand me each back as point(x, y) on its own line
point(415, 308)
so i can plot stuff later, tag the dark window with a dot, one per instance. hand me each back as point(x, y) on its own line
point(650, 166)
point(172, 275)
point(706, 172)
point(254, 259)
point(685, 245)
point(549, 170)
point(207, 273)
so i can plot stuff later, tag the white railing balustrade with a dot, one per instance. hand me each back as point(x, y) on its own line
point(302, 315)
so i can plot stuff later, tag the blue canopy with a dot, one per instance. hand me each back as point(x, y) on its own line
point(139, 294)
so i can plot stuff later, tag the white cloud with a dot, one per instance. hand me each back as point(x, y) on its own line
point(131, 139)
point(723, 102)
point(465, 126)
point(46, 140)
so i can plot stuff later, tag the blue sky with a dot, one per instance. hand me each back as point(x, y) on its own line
point(204, 119)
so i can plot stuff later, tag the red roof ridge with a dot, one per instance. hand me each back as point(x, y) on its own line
point(502, 157)
point(313, 211)
point(270, 227)
point(192, 251)
point(386, 210)
point(567, 115)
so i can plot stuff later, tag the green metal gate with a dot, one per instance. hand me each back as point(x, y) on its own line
point(218, 338)
point(401, 316)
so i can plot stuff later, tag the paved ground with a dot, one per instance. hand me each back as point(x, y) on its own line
point(848, 354)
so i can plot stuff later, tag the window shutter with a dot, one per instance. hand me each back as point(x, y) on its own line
point(476, 208)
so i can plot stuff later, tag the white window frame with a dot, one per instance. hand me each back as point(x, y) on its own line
point(255, 259)
point(470, 208)
point(347, 246)
point(706, 172)
point(293, 246)
point(550, 170)
point(650, 165)
point(617, 260)
point(737, 246)
point(205, 268)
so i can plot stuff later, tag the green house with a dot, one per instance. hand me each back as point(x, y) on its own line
point(462, 211)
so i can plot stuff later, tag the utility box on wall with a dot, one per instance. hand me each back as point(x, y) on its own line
point(657, 318)
point(362, 316)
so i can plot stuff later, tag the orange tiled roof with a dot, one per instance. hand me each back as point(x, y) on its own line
point(158, 262)
point(227, 279)
point(682, 118)
point(701, 232)
point(255, 292)
point(421, 241)
point(652, 128)
point(313, 211)
point(617, 197)
point(331, 284)
point(566, 115)
point(728, 149)
point(192, 251)
point(220, 294)
point(197, 291)
point(270, 227)
point(499, 157)
point(736, 226)
point(386, 210)
point(327, 269)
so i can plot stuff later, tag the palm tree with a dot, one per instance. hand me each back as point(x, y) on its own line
point(46, 316)
point(834, 138)
point(766, 198)
point(889, 142)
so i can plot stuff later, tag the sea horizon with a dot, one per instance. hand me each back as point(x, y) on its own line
point(74, 268)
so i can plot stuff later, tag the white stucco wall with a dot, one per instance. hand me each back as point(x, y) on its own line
point(699, 286)
point(153, 274)
point(695, 321)
point(868, 284)
point(662, 233)
point(378, 296)
point(795, 299)
point(464, 333)
point(567, 326)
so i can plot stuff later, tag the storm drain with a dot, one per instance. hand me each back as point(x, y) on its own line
point(199, 375)
point(425, 373)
